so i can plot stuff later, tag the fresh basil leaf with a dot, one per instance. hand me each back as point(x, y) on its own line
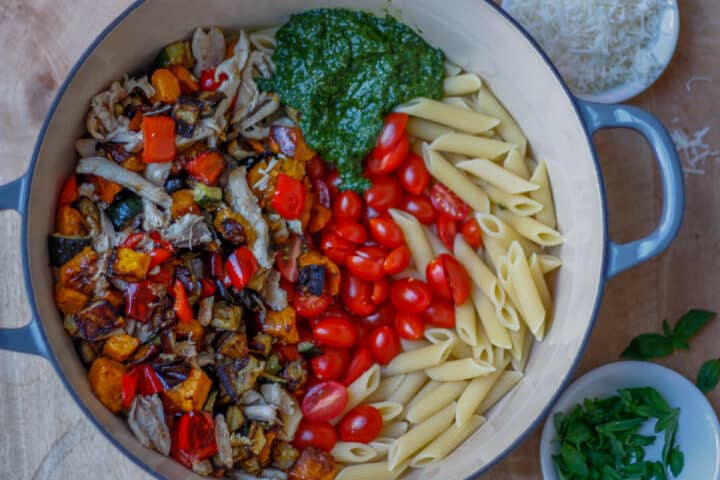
point(635, 469)
point(676, 461)
point(667, 329)
point(578, 433)
point(679, 344)
point(691, 323)
point(574, 460)
point(610, 473)
point(671, 421)
point(708, 376)
point(640, 441)
point(659, 471)
point(650, 398)
point(647, 346)
point(631, 424)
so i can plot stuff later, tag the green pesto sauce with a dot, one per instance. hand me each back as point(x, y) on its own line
point(344, 70)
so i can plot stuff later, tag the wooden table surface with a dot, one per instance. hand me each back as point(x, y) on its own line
point(43, 434)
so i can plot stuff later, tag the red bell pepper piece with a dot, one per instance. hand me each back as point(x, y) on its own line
point(159, 138)
point(241, 265)
point(155, 237)
point(206, 167)
point(208, 287)
point(69, 192)
point(289, 197)
point(182, 307)
point(129, 387)
point(148, 381)
point(193, 438)
point(133, 240)
point(158, 256)
point(208, 82)
point(138, 298)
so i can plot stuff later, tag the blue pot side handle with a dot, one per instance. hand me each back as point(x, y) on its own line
point(28, 338)
point(627, 255)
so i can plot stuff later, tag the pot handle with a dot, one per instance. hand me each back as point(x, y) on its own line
point(28, 338)
point(627, 255)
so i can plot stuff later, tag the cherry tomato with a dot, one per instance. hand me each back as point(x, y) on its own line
point(347, 207)
point(385, 192)
point(366, 263)
point(409, 325)
point(384, 344)
point(316, 168)
point(324, 401)
point(335, 247)
point(360, 361)
point(471, 233)
point(445, 201)
point(286, 258)
point(335, 331)
point(320, 435)
point(368, 214)
point(446, 229)
point(361, 424)
point(390, 134)
point(241, 265)
point(386, 232)
point(440, 313)
point(392, 160)
point(352, 232)
point(322, 192)
point(420, 206)
point(413, 175)
point(207, 80)
point(331, 364)
point(289, 197)
point(381, 291)
point(308, 305)
point(383, 316)
point(397, 260)
point(410, 294)
point(333, 182)
point(356, 295)
point(458, 278)
point(437, 279)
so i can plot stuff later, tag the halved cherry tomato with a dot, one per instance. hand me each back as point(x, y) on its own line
point(331, 364)
point(207, 80)
point(384, 344)
point(360, 361)
point(308, 305)
point(448, 278)
point(397, 260)
point(409, 325)
point(471, 233)
point(445, 201)
point(352, 232)
point(347, 207)
point(386, 232)
point(385, 192)
point(286, 258)
point(320, 435)
point(420, 206)
point(324, 401)
point(381, 291)
point(356, 295)
point(289, 197)
point(316, 168)
point(436, 276)
point(335, 247)
point(410, 294)
point(392, 160)
point(321, 192)
point(366, 263)
point(440, 313)
point(390, 134)
point(383, 316)
point(241, 265)
point(446, 229)
point(335, 331)
point(361, 424)
point(413, 175)
point(333, 182)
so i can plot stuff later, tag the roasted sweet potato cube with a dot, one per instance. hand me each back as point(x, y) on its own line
point(70, 222)
point(120, 347)
point(115, 298)
point(69, 301)
point(313, 464)
point(191, 393)
point(234, 345)
point(105, 377)
point(281, 324)
point(192, 330)
point(78, 273)
point(130, 265)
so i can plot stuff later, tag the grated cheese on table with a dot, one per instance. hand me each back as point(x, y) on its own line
point(693, 150)
point(596, 44)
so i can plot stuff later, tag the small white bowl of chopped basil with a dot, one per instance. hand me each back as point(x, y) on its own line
point(604, 426)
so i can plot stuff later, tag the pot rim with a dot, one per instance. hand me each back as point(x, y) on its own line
point(24, 201)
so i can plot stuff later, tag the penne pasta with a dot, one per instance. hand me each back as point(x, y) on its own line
point(407, 389)
point(515, 163)
point(435, 243)
point(478, 271)
point(540, 284)
point(474, 394)
point(420, 359)
point(517, 204)
point(465, 120)
point(451, 68)
point(353, 452)
point(494, 251)
point(494, 227)
point(448, 441)
point(509, 130)
point(461, 84)
point(387, 386)
point(531, 229)
point(427, 389)
point(360, 389)
point(548, 263)
point(504, 384)
point(408, 345)
point(382, 444)
point(494, 174)
point(425, 130)
point(394, 429)
point(438, 335)
point(456, 370)
point(508, 317)
point(458, 102)
point(522, 345)
point(414, 234)
point(434, 401)
point(496, 332)
point(471, 145)
point(375, 470)
point(466, 323)
point(543, 195)
point(388, 410)
point(420, 435)
point(528, 298)
point(483, 351)
point(455, 180)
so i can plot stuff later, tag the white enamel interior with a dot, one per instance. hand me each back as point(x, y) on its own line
point(472, 34)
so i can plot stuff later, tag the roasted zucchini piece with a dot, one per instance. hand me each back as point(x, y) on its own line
point(177, 53)
point(62, 248)
point(186, 113)
point(207, 197)
point(124, 208)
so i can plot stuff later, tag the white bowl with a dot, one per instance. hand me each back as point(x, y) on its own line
point(698, 434)
point(663, 50)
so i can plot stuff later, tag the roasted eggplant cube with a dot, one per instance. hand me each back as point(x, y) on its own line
point(312, 279)
point(97, 321)
point(237, 377)
point(186, 113)
point(177, 53)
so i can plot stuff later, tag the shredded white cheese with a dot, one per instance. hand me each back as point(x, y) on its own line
point(697, 78)
point(694, 152)
point(596, 44)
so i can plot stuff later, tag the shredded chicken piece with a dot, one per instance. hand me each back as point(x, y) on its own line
point(130, 84)
point(222, 439)
point(232, 67)
point(157, 173)
point(147, 421)
point(274, 296)
point(153, 217)
point(288, 407)
point(101, 121)
point(261, 413)
point(241, 199)
point(188, 231)
point(86, 147)
point(110, 170)
point(208, 48)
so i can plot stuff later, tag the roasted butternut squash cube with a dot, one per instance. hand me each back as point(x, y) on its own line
point(69, 301)
point(282, 325)
point(192, 330)
point(78, 273)
point(130, 265)
point(70, 222)
point(332, 272)
point(120, 347)
point(233, 227)
point(105, 377)
point(183, 203)
point(313, 464)
point(233, 345)
point(191, 393)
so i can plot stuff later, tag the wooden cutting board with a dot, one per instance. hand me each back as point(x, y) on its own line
point(44, 434)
